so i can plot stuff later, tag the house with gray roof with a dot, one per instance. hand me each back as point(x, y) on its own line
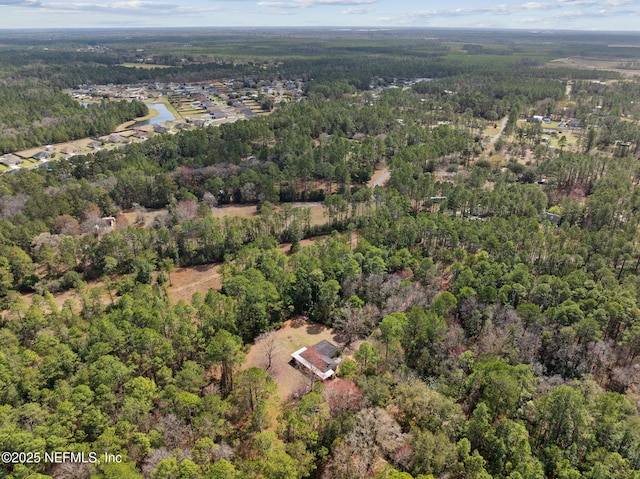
point(553, 218)
point(10, 160)
point(42, 155)
point(321, 359)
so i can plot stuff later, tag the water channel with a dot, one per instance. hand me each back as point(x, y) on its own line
point(164, 115)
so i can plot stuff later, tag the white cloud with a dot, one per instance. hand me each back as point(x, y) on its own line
point(279, 5)
point(522, 13)
point(576, 3)
point(280, 12)
point(19, 3)
point(629, 12)
point(356, 11)
point(620, 2)
point(339, 2)
point(488, 13)
point(133, 7)
point(297, 4)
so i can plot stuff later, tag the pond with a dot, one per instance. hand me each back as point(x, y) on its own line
point(164, 115)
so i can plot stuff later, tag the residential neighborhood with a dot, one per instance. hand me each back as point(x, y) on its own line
point(174, 107)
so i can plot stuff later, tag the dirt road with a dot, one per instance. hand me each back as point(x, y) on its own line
point(380, 177)
point(494, 138)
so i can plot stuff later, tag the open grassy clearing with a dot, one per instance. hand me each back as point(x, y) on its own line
point(194, 279)
point(318, 216)
point(491, 128)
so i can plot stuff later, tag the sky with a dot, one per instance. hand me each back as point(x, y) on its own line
point(603, 15)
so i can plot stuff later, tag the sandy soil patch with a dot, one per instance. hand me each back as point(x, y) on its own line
point(379, 178)
point(286, 247)
point(200, 279)
point(579, 195)
point(318, 216)
point(293, 335)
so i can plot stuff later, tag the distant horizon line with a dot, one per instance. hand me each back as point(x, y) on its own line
point(371, 28)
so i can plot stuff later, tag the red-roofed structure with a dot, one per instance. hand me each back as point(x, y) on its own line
point(320, 359)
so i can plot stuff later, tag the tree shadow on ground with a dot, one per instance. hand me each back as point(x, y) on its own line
point(315, 328)
point(298, 322)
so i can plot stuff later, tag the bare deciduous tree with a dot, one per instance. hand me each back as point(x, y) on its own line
point(186, 210)
point(71, 470)
point(224, 451)
point(375, 435)
point(269, 347)
point(210, 199)
point(407, 297)
point(343, 395)
point(355, 323)
point(175, 432)
point(153, 459)
point(12, 205)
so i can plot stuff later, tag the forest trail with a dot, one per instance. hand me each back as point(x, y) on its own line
point(379, 177)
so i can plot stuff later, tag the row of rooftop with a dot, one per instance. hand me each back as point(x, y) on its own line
point(92, 145)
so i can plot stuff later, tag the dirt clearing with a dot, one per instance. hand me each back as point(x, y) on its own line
point(293, 335)
point(379, 178)
point(186, 281)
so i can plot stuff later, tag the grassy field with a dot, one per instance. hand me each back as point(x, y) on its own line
point(596, 64)
point(144, 66)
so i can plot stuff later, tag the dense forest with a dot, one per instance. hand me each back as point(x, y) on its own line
point(35, 116)
point(486, 297)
